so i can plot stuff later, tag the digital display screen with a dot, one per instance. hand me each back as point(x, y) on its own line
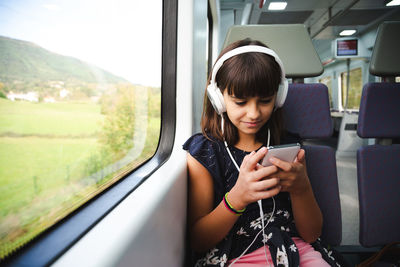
point(346, 47)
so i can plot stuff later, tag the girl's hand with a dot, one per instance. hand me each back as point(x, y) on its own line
point(293, 176)
point(254, 181)
point(306, 212)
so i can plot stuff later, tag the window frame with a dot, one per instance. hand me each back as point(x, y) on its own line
point(53, 242)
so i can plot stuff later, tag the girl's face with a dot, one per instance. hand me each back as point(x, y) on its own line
point(249, 114)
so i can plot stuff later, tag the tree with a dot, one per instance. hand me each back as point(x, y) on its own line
point(118, 126)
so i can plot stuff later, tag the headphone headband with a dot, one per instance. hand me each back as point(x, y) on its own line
point(215, 94)
point(243, 50)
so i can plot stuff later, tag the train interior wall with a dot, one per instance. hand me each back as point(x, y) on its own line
point(148, 234)
point(149, 227)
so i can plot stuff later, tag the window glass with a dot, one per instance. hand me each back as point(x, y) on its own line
point(80, 101)
point(328, 82)
point(354, 93)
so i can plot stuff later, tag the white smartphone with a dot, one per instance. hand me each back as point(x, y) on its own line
point(283, 152)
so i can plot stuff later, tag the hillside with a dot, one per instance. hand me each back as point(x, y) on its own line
point(25, 62)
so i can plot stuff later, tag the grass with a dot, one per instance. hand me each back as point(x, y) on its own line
point(62, 119)
point(47, 153)
point(40, 183)
point(43, 151)
point(30, 166)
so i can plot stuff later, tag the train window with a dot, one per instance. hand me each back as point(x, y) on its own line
point(354, 93)
point(80, 104)
point(328, 82)
point(397, 79)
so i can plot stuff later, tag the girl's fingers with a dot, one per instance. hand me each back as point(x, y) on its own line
point(255, 158)
point(263, 172)
point(246, 159)
point(285, 184)
point(286, 166)
point(301, 156)
point(266, 184)
point(268, 193)
point(259, 166)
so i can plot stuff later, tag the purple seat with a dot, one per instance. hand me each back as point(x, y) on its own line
point(306, 113)
point(321, 168)
point(378, 166)
point(379, 111)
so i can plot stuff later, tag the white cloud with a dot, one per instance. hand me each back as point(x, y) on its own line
point(52, 7)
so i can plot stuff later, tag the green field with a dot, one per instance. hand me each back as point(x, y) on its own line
point(31, 165)
point(37, 175)
point(43, 148)
point(60, 119)
point(48, 153)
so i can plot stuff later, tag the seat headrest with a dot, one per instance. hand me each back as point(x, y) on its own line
point(290, 41)
point(385, 59)
point(306, 111)
point(379, 111)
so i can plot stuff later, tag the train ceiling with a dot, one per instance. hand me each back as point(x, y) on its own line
point(325, 19)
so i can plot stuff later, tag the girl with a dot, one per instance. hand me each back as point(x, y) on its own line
point(227, 185)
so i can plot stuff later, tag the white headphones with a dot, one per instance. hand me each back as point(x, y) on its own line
point(217, 100)
point(215, 94)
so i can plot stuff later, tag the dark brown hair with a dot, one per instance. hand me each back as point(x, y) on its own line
point(244, 75)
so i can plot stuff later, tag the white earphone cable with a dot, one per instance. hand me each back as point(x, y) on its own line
point(259, 201)
point(255, 238)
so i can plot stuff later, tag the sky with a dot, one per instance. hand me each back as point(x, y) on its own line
point(119, 36)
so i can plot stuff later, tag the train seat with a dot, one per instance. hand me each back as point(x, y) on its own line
point(378, 167)
point(306, 112)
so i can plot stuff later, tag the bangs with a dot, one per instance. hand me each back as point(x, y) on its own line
point(250, 75)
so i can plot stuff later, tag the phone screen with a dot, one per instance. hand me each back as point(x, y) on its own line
point(284, 152)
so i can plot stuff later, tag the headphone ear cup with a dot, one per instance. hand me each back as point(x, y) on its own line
point(216, 98)
point(282, 93)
